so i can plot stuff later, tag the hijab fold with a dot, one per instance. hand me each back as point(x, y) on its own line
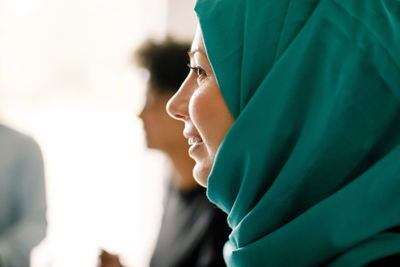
point(309, 173)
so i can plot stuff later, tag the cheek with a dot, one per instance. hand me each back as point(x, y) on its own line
point(200, 113)
point(204, 109)
point(171, 128)
point(210, 115)
point(152, 119)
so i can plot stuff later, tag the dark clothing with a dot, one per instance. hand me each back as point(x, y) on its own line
point(193, 231)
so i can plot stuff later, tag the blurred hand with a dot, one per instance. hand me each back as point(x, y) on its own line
point(109, 260)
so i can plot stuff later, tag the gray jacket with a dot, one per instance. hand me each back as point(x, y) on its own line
point(22, 198)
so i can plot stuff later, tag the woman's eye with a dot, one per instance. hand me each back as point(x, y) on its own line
point(198, 70)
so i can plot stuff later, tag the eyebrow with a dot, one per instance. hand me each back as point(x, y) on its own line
point(192, 52)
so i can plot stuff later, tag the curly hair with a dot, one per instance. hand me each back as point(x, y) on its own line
point(166, 63)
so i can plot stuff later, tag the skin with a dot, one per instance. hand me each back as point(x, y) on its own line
point(201, 106)
point(161, 131)
point(165, 134)
point(109, 260)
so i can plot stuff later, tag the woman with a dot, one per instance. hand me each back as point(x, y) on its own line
point(301, 143)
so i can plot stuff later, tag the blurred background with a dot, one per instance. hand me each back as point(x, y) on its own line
point(67, 79)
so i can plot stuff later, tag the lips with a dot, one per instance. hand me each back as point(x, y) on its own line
point(192, 136)
point(194, 141)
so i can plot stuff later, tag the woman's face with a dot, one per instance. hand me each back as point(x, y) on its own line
point(200, 105)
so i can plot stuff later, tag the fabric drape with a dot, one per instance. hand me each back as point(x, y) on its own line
point(309, 174)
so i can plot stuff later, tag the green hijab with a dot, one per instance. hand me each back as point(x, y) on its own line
point(309, 173)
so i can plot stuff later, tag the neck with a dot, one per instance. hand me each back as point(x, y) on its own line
point(183, 170)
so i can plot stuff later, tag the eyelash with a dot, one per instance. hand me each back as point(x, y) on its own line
point(199, 71)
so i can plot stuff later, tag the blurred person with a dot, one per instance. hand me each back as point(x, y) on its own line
point(22, 198)
point(193, 231)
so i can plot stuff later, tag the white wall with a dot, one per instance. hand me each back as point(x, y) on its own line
point(181, 19)
point(66, 78)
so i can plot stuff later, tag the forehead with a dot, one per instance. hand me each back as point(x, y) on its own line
point(198, 43)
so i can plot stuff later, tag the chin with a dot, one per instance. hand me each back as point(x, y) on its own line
point(150, 144)
point(201, 174)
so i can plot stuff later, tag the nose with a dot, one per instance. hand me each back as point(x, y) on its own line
point(142, 113)
point(178, 105)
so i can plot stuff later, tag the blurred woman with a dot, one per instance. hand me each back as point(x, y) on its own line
point(292, 109)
